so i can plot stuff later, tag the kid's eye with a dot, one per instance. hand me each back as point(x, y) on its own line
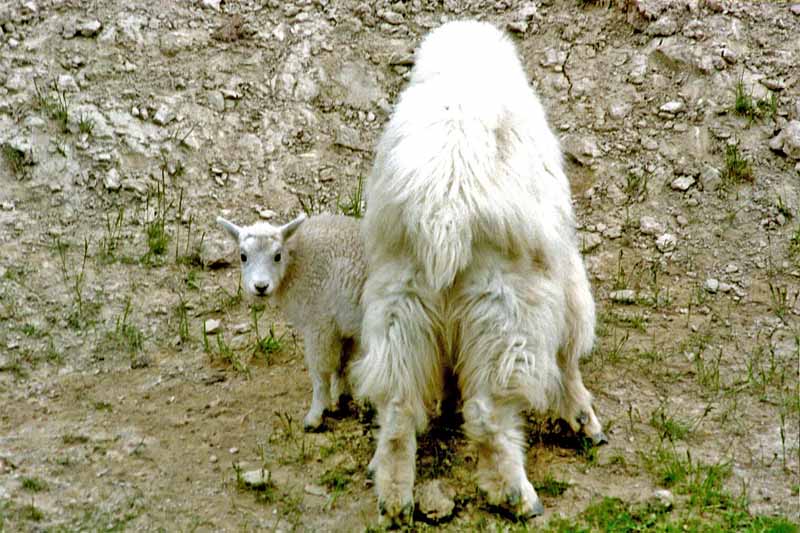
point(244, 258)
point(278, 257)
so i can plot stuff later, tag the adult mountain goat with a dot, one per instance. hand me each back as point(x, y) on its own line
point(473, 267)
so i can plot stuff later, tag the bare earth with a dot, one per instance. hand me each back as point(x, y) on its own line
point(147, 119)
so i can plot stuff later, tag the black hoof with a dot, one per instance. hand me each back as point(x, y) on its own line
point(599, 438)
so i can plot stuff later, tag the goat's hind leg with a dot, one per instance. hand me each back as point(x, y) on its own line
point(322, 353)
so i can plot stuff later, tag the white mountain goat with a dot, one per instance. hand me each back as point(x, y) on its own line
point(313, 270)
point(473, 266)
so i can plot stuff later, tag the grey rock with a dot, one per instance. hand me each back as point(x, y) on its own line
point(360, 86)
point(164, 115)
point(711, 285)
point(216, 101)
point(391, 17)
point(638, 70)
point(582, 148)
point(436, 499)
point(23, 146)
point(672, 107)
point(682, 183)
point(711, 178)
point(554, 58)
point(257, 479)
point(66, 83)
point(69, 29)
point(590, 242)
point(212, 326)
point(725, 287)
point(650, 226)
point(350, 138)
point(89, 28)
point(663, 27)
point(677, 54)
point(666, 243)
point(795, 9)
point(111, 180)
point(16, 81)
point(788, 140)
point(619, 110)
point(215, 252)
point(623, 296)
point(136, 185)
point(210, 4)
point(315, 490)
point(664, 498)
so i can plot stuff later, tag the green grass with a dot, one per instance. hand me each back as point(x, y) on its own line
point(354, 205)
point(737, 167)
point(747, 106)
point(52, 103)
point(32, 484)
point(337, 479)
point(550, 486)
point(85, 125)
point(14, 159)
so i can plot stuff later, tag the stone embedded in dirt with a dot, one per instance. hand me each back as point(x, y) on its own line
point(257, 479)
point(619, 110)
point(210, 4)
point(725, 287)
point(673, 107)
point(638, 70)
point(711, 285)
point(590, 241)
point(581, 148)
point(522, 17)
point(682, 183)
point(216, 101)
point(663, 27)
point(788, 140)
point(666, 243)
point(555, 58)
point(623, 296)
point(315, 490)
point(664, 498)
point(264, 213)
point(89, 28)
point(795, 9)
point(111, 180)
point(391, 17)
point(711, 178)
point(436, 499)
point(650, 226)
point(215, 252)
point(350, 138)
point(66, 83)
point(164, 115)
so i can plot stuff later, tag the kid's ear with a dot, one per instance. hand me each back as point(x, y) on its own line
point(288, 230)
point(232, 229)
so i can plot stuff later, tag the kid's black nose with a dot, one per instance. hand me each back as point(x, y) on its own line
point(261, 288)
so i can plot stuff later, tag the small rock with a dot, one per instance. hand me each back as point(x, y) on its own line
point(795, 9)
point(711, 285)
point(212, 326)
point(663, 27)
point(682, 183)
point(590, 241)
point(69, 29)
point(264, 213)
point(316, 490)
point(215, 252)
point(164, 115)
point(89, 28)
point(350, 138)
point(614, 232)
point(213, 458)
point(623, 296)
point(664, 498)
point(666, 243)
point(789, 142)
point(111, 180)
point(257, 479)
point(619, 110)
point(391, 17)
point(136, 185)
point(711, 178)
point(436, 499)
point(725, 287)
point(210, 4)
point(650, 226)
point(672, 107)
point(66, 83)
point(731, 269)
point(216, 101)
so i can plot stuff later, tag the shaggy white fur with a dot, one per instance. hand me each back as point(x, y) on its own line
point(473, 266)
point(314, 271)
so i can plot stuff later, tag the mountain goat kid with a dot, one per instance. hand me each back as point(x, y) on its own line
point(473, 267)
point(313, 270)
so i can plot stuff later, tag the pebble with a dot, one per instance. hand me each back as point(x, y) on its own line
point(89, 28)
point(672, 107)
point(623, 296)
point(788, 140)
point(216, 101)
point(212, 326)
point(316, 490)
point(164, 115)
point(664, 497)
point(210, 4)
point(663, 27)
point(213, 458)
point(795, 9)
point(666, 243)
point(215, 252)
point(590, 241)
point(725, 287)
point(682, 183)
point(256, 479)
point(66, 83)
point(711, 285)
point(111, 180)
point(436, 499)
point(650, 226)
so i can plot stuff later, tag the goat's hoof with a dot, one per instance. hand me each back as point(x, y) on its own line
point(582, 419)
point(391, 515)
point(599, 438)
point(522, 507)
point(313, 426)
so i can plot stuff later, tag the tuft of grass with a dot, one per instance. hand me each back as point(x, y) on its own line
point(269, 344)
point(737, 167)
point(550, 486)
point(74, 281)
point(782, 300)
point(85, 125)
point(636, 186)
point(155, 228)
point(15, 160)
point(337, 479)
point(354, 205)
point(33, 484)
point(747, 106)
point(794, 244)
point(112, 234)
point(669, 427)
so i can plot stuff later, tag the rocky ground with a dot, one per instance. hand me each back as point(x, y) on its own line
point(140, 391)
